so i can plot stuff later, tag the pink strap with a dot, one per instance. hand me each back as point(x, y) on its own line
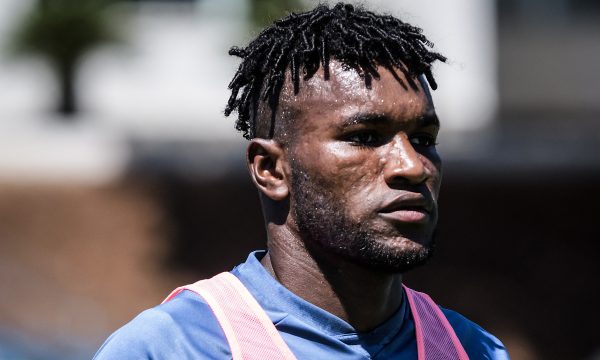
point(435, 337)
point(249, 331)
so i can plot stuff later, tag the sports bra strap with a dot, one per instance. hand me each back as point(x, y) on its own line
point(435, 337)
point(249, 331)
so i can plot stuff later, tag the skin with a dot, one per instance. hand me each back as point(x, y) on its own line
point(341, 154)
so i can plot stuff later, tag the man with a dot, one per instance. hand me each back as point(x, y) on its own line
point(342, 130)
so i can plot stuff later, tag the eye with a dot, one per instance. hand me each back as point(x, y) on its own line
point(365, 138)
point(425, 140)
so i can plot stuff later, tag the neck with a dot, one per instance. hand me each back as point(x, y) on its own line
point(362, 297)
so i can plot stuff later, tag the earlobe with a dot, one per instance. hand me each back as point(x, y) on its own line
point(266, 166)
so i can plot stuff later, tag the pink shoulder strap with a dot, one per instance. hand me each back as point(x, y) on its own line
point(249, 331)
point(435, 337)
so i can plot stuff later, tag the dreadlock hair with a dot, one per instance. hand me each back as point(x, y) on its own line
point(359, 39)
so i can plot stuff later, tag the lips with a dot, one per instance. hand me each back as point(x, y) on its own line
point(408, 208)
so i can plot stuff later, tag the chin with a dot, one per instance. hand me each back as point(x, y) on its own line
point(398, 261)
point(394, 256)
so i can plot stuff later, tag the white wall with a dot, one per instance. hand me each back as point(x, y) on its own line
point(167, 81)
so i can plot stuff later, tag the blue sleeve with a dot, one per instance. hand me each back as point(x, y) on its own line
point(478, 343)
point(183, 328)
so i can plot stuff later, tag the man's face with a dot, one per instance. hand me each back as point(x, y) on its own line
point(365, 173)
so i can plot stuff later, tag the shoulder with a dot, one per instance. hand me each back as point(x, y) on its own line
point(184, 327)
point(478, 343)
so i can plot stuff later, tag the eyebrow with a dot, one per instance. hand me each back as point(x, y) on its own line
point(366, 119)
point(428, 119)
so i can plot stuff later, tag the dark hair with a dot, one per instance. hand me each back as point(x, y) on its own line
point(359, 39)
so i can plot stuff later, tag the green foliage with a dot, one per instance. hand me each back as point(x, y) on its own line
point(264, 12)
point(62, 31)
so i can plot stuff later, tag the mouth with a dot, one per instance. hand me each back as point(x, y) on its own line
point(408, 208)
point(416, 216)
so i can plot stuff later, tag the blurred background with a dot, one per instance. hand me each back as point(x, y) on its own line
point(120, 178)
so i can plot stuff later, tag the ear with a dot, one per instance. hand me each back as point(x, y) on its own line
point(266, 165)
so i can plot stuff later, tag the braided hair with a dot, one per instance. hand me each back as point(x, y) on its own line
point(359, 39)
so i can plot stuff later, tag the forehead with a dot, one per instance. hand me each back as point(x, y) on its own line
point(323, 102)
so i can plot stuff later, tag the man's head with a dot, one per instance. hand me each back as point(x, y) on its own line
point(346, 163)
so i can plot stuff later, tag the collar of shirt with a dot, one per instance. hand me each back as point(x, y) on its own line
point(279, 303)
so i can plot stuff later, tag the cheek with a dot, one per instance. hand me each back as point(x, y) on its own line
point(351, 175)
point(353, 167)
point(339, 168)
point(433, 163)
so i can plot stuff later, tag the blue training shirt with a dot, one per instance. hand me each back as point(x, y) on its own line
point(185, 328)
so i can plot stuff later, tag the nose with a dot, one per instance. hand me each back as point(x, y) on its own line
point(403, 164)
